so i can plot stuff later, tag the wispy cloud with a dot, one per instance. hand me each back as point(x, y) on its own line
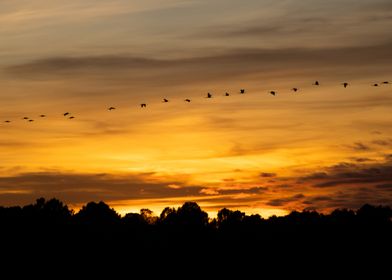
point(207, 68)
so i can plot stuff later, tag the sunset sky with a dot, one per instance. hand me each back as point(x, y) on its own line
point(321, 148)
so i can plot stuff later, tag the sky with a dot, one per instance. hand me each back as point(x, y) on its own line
point(321, 148)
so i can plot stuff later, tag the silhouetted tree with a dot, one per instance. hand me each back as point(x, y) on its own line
point(374, 215)
point(97, 214)
point(228, 219)
point(148, 216)
point(190, 215)
point(48, 212)
point(134, 220)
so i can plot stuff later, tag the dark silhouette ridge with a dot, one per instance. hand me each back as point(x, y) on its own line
point(96, 238)
point(188, 216)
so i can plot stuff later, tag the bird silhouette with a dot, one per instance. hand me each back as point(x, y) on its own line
point(242, 91)
point(273, 92)
point(31, 120)
point(7, 121)
point(227, 94)
point(385, 83)
point(71, 117)
point(42, 116)
point(375, 85)
point(209, 95)
point(66, 114)
point(294, 89)
point(187, 100)
point(26, 118)
point(316, 83)
point(143, 105)
point(345, 84)
point(111, 108)
point(165, 100)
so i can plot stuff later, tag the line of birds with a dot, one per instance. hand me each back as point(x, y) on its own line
point(209, 95)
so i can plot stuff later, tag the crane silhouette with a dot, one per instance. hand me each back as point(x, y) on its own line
point(209, 95)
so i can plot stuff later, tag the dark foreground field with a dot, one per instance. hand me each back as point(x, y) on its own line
point(47, 236)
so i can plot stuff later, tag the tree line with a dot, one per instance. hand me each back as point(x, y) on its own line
point(190, 216)
point(49, 235)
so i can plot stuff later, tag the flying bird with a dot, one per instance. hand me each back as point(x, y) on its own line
point(165, 100)
point(7, 121)
point(227, 94)
point(385, 83)
point(273, 93)
point(242, 91)
point(294, 89)
point(209, 95)
point(187, 100)
point(42, 116)
point(31, 120)
point(25, 118)
point(345, 84)
point(375, 85)
point(143, 105)
point(316, 83)
point(111, 108)
point(66, 114)
point(71, 117)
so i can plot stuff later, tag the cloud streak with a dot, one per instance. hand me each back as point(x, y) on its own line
point(207, 67)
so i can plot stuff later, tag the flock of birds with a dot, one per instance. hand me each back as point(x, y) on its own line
point(209, 95)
